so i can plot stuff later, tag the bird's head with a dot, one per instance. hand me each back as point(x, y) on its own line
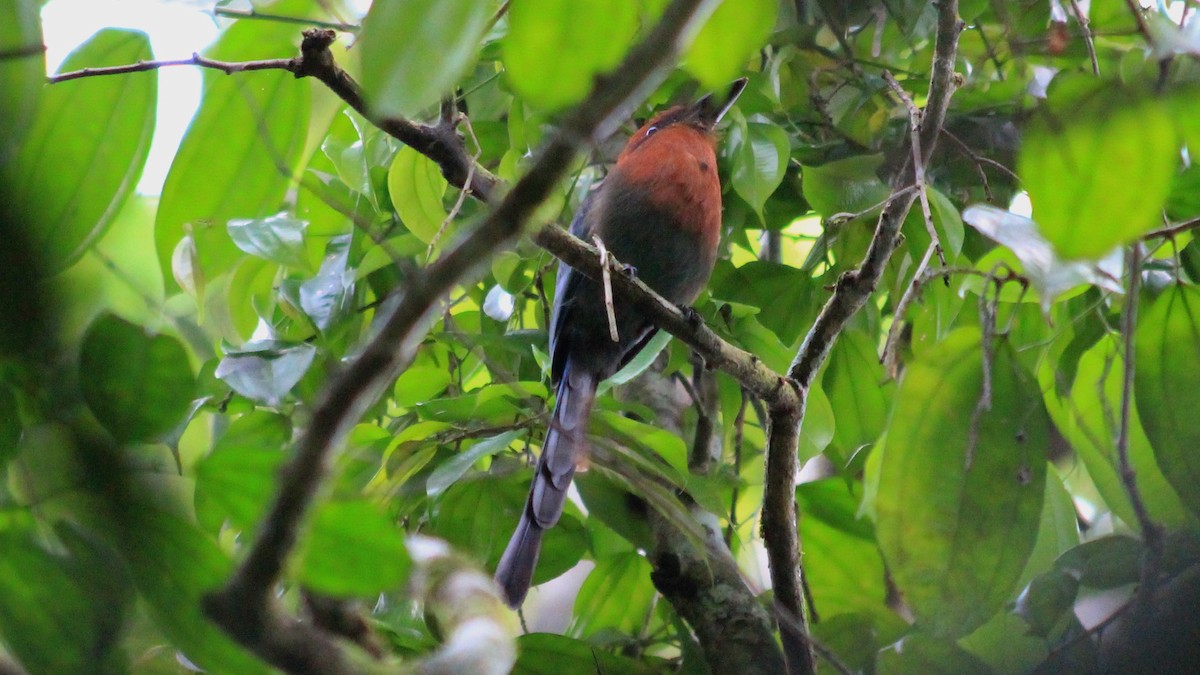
point(700, 117)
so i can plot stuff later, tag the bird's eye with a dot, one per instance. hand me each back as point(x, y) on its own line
point(651, 130)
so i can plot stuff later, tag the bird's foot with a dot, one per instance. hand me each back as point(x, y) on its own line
point(691, 315)
point(629, 271)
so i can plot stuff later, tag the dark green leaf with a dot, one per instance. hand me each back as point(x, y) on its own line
point(414, 51)
point(1107, 562)
point(845, 186)
point(1168, 368)
point(138, 385)
point(858, 390)
point(554, 48)
point(842, 562)
point(956, 519)
point(237, 157)
point(61, 613)
point(1046, 600)
point(84, 154)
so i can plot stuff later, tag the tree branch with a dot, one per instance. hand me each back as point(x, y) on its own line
point(244, 607)
point(851, 292)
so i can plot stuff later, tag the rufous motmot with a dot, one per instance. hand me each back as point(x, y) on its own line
point(658, 211)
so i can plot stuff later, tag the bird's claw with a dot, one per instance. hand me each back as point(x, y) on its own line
point(691, 315)
point(629, 271)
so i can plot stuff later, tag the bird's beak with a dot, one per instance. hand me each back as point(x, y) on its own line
point(710, 110)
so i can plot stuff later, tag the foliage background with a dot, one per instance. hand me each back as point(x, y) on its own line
point(964, 506)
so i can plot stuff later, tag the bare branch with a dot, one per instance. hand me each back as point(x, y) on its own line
point(1085, 28)
point(279, 18)
point(918, 160)
point(1152, 534)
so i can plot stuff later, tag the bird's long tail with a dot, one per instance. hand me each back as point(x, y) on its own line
point(565, 440)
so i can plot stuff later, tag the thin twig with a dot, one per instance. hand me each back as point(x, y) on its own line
point(889, 356)
point(918, 160)
point(252, 13)
point(1151, 532)
point(1085, 29)
point(606, 281)
point(739, 434)
point(1171, 231)
point(987, 321)
point(1142, 27)
point(227, 67)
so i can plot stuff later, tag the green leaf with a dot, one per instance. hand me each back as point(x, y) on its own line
point(414, 51)
point(277, 238)
point(858, 390)
point(1107, 562)
point(638, 364)
point(1132, 137)
point(734, 32)
point(84, 154)
point(1168, 368)
point(786, 297)
point(10, 425)
point(956, 522)
point(265, 371)
point(555, 48)
point(236, 481)
point(448, 472)
point(615, 596)
point(478, 515)
point(416, 186)
point(237, 157)
point(329, 296)
point(1086, 416)
point(174, 565)
point(842, 562)
point(1046, 600)
point(22, 79)
point(848, 185)
point(920, 654)
point(419, 384)
point(760, 152)
point(550, 654)
point(61, 613)
point(353, 549)
point(138, 385)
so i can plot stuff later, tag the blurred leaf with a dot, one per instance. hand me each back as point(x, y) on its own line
point(760, 152)
point(448, 472)
point(419, 384)
point(615, 596)
point(1107, 562)
point(956, 521)
point(352, 549)
point(786, 297)
point(238, 478)
point(555, 48)
point(414, 51)
point(138, 385)
point(22, 79)
point(1050, 275)
point(1168, 367)
point(920, 654)
point(265, 371)
point(735, 32)
point(174, 565)
point(277, 238)
point(237, 157)
point(62, 613)
point(1046, 600)
point(842, 562)
point(10, 425)
point(416, 186)
point(1131, 136)
point(84, 154)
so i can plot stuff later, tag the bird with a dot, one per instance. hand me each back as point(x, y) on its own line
point(658, 211)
